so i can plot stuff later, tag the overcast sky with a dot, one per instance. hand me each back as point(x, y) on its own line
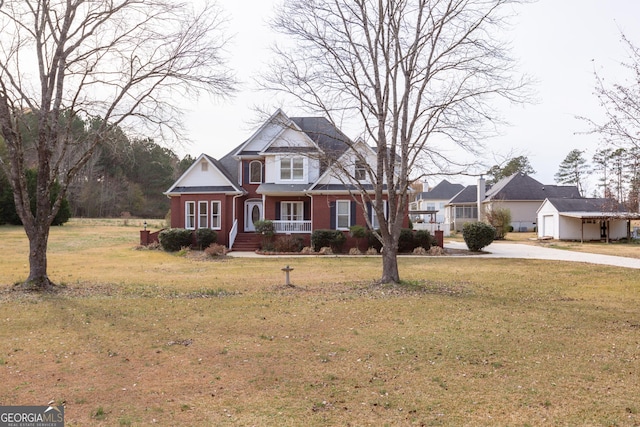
point(560, 43)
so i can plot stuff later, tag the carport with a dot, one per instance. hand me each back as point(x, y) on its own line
point(606, 220)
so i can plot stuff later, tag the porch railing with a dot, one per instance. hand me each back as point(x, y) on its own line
point(233, 233)
point(292, 226)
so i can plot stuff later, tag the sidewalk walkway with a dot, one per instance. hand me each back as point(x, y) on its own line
point(515, 250)
point(512, 250)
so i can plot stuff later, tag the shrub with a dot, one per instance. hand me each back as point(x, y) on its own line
point(174, 239)
point(289, 243)
point(355, 251)
point(423, 239)
point(205, 237)
point(477, 235)
point(406, 242)
point(328, 238)
point(373, 242)
point(500, 219)
point(267, 230)
point(215, 250)
point(410, 240)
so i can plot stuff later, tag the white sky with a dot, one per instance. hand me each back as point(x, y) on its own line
point(560, 43)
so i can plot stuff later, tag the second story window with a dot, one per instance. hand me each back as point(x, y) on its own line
point(361, 171)
point(255, 172)
point(292, 168)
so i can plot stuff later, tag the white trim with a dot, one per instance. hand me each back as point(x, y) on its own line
point(191, 216)
point(299, 215)
point(339, 215)
point(202, 203)
point(218, 215)
point(261, 179)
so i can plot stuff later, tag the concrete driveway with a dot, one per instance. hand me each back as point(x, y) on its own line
point(515, 250)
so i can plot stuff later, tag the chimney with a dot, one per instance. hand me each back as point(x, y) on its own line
point(480, 197)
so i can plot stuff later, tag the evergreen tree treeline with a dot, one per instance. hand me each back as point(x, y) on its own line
point(125, 176)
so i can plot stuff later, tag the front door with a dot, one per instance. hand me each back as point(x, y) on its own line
point(252, 213)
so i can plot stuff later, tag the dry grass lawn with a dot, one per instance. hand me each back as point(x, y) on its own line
point(140, 337)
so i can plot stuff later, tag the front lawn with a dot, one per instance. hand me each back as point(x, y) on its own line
point(139, 337)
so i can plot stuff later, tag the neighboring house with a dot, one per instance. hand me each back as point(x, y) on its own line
point(519, 193)
point(281, 174)
point(584, 219)
point(463, 207)
point(523, 195)
point(428, 211)
point(429, 206)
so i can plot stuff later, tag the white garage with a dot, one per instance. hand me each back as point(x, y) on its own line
point(584, 220)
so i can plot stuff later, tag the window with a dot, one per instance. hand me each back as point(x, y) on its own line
point(361, 171)
point(374, 218)
point(292, 168)
point(291, 211)
point(255, 172)
point(202, 214)
point(216, 213)
point(469, 212)
point(343, 214)
point(190, 215)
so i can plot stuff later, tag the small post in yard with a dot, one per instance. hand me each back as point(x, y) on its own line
point(286, 270)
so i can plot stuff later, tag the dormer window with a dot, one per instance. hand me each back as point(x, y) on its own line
point(361, 171)
point(255, 172)
point(292, 168)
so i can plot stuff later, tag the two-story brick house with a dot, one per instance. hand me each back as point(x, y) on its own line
point(285, 172)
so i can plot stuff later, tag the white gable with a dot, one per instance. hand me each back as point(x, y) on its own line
point(292, 138)
point(266, 133)
point(348, 160)
point(264, 136)
point(202, 173)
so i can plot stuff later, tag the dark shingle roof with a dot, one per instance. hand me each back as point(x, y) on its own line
point(321, 131)
point(468, 195)
point(587, 205)
point(443, 191)
point(522, 187)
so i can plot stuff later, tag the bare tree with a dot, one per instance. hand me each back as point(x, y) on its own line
point(419, 74)
point(621, 104)
point(112, 63)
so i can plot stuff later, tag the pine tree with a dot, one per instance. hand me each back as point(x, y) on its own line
point(573, 170)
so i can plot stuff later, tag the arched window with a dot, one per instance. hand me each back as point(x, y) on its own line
point(255, 172)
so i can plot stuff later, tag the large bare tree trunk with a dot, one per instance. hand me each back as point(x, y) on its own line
point(38, 278)
point(390, 271)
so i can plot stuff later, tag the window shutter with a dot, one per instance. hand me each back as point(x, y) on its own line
point(277, 217)
point(307, 210)
point(332, 215)
point(245, 172)
point(352, 220)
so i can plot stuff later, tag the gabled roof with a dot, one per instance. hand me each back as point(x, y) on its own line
point(320, 131)
point(468, 194)
point(594, 208)
point(587, 205)
point(225, 185)
point(327, 136)
point(520, 187)
point(443, 191)
point(325, 182)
